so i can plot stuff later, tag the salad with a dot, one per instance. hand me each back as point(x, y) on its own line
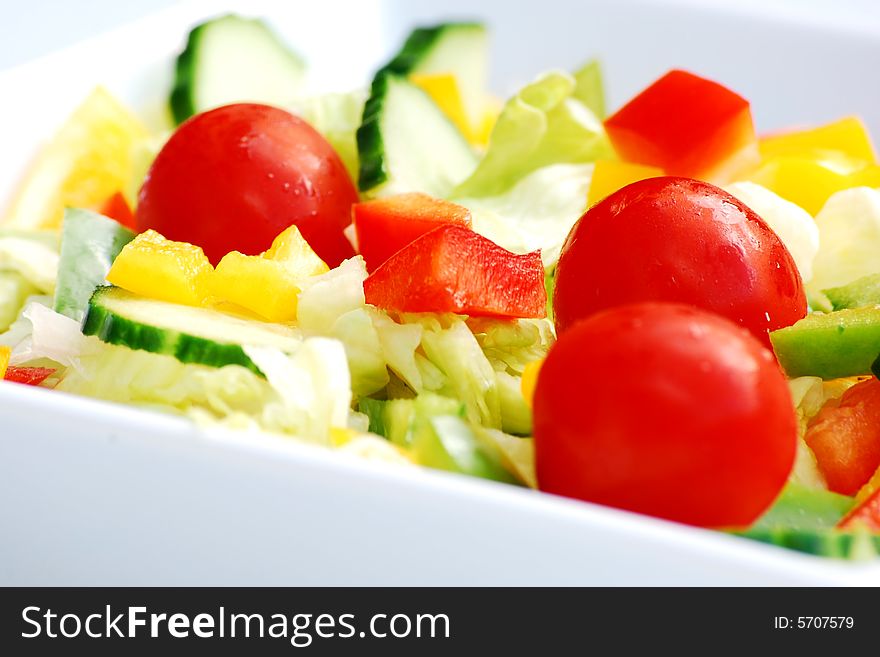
point(653, 309)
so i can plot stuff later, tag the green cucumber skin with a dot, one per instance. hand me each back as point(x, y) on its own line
point(371, 147)
point(89, 246)
point(831, 543)
point(114, 329)
point(419, 42)
point(181, 101)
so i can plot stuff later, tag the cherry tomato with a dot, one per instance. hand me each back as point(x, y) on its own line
point(845, 438)
point(678, 240)
point(667, 410)
point(233, 178)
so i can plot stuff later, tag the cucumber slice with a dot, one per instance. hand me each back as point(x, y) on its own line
point(89, 244)
point(406, 143)
point(832, 345)
point(862, 292)
point(458, 48)
point(823, 543)
point(190, 334)
point(234, 59)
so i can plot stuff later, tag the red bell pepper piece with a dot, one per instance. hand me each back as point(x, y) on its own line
point(116, 207)
point(845, 438)
point(386, 225)
point(453, 269)
point(687, 126)
point(32, 376)
point(866, 514)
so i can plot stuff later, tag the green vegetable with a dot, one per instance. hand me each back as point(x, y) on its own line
point(35, 258)
point(445, 441)
point(313, 380)
point(804, 509)
point(543, 124)
point(832, 345)
point(192, 335)
point(860, 293)
point(402, 124)
point(823, 542)
point(14, 289)
point(590, 88)
point(232, 59)
point(469, 376)
point(538, 212)
point(461, 49)
point(89, 244)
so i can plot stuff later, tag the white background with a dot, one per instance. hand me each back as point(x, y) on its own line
point(36, 27)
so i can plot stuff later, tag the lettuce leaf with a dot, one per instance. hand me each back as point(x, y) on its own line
point(36, 261)
point(544, 124)
point(14, 289)
point(304, 395)
point(337, 117)
point(538, 212)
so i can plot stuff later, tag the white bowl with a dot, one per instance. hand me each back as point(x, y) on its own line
point(95, 493)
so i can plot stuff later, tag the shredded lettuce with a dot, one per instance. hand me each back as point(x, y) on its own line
point(313, 384)
point(537, 212)
point(305, 394)
point(543, 124)
point(469, 375)
point(14, 289)
point(36, 261)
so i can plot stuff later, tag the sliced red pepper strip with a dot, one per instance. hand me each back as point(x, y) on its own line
point(453, 269)
point(32, 376)
point(386, 225)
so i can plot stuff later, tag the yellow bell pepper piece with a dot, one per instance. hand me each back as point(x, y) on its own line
point(443, 90)
point(155, 267)
point(843, 144)
point(268, 284)
point(5, 353)
point(530, 380)
point(611, 175)
point(809, 183)
point(90, 158)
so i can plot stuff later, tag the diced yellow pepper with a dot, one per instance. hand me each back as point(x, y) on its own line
point(340, 436)
point(530, 380)
point(443, 90)
point(611, 175)
point(5, 353)
point(89, 159)
point(268, 284)
point(291, 248)
point(839, 144)
point(809, 183)
point(155, 267)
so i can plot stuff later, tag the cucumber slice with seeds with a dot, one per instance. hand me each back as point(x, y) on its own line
point(190, 334)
